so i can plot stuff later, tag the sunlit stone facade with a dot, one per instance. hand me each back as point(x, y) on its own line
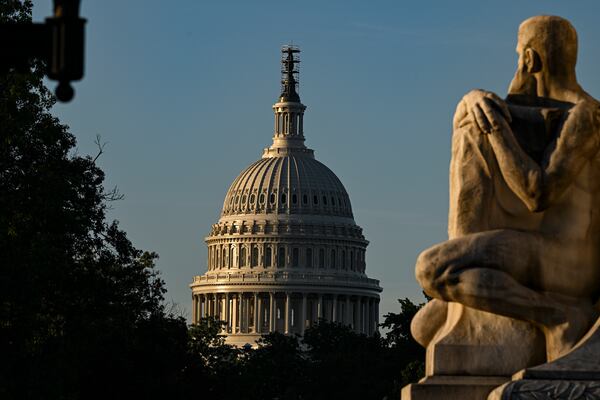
point(286, 250)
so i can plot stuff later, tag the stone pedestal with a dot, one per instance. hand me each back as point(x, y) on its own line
point(474, 352)
point(452, 387)
point(478, 343)
point(573, 376)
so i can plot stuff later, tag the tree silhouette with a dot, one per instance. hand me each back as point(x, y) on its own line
point(81, 309)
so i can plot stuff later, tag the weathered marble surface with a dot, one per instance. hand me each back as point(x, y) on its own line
point(547, 390)
point(517, 283)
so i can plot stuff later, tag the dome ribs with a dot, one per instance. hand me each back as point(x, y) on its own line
point(296, 186)
point(280, 178)
point(249, 184)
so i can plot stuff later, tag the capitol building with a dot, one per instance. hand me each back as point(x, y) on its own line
point(286, 251)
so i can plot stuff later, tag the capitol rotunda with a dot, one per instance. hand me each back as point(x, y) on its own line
point(286, 251)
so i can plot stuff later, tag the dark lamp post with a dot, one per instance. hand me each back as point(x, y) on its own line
point(59, 42)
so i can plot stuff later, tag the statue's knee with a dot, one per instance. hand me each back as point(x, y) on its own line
point(425, 269)
point(437, 271)
point(468, 132)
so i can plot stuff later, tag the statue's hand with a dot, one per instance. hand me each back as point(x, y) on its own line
point(483, 108)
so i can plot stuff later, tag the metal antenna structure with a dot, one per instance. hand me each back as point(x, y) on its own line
point(290, 73)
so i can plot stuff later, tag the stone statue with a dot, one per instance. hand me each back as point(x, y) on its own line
point(517, 283)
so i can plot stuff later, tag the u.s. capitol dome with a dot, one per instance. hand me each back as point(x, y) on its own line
point(286, 251)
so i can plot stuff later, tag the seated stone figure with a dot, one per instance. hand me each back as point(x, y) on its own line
point(524, 218)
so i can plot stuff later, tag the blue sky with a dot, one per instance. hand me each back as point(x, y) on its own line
point(182, 93)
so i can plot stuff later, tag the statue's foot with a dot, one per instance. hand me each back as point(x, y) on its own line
point(428, 321)
point(561, 338)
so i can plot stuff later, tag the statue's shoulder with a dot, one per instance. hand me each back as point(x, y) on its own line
point(586, 111)
point(587, 104)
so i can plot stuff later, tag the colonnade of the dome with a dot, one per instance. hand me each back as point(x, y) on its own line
point(289, 312)
point(257, 254)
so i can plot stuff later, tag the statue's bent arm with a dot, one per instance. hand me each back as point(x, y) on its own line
point(540, 186)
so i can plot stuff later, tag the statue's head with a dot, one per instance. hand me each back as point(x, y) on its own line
point(547, 47)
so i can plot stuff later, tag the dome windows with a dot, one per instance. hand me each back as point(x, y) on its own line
point(281, 257)
point(321, 258)
point(254, 257)
point(294, 180)
point(282, 199)
point(295, 257)
point(243, 257)
point(268, 256)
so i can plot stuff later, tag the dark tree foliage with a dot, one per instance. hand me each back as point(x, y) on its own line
point(211, 364)
point(345, 364)
point(407, 354)
point(277, 369)
point(81, 309)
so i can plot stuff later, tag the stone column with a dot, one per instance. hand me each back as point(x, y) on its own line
point(227, 312)
point(356, 307)
point(272, 312)
point(255, 316)
point(194, 306)
point(373, 317)
point(347, 317)
point(245, 312)
point(215, 306)
point(240, 316)
point(303, 322)
point(205, 309)
point(368, 316)
point(334, 312)
point(287, 313)
point(200, 309)
point(233, 313)
point(320, 307)
point(377, 314)
point(361, 320)
point(362, 314)
point(261, 317)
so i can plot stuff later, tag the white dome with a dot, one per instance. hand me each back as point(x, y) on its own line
point(286, 250)
point(294, 183)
